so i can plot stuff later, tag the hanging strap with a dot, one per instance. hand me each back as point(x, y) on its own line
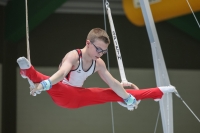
point(27, 32)
point(32, 85)
point(118, 54)
point(115, 41)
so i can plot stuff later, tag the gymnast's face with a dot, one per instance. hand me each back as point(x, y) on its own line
point(97, 48)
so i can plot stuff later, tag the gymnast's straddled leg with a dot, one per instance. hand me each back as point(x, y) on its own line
point(68, 96)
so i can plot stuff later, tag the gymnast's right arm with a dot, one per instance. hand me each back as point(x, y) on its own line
point(67, 63)
point(63, 71)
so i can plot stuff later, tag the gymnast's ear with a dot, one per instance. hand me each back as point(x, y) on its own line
point(87, 42)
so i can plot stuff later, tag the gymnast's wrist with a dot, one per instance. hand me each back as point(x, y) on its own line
point(46, 84)
point(130, 100)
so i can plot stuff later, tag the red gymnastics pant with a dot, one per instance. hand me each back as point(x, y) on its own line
point(75, 97)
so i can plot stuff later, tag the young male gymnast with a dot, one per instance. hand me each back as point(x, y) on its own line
point(65, 86)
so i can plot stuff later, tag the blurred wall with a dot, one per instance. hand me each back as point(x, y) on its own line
point(60, 33)
point(1, 55)
point(39, 114)
point(2, 25)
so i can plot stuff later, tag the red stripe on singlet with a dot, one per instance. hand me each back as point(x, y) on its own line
point(68, 76)
point(80, 55)
point(79, 52)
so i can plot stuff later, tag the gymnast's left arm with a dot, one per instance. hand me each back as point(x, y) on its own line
point(110, 80)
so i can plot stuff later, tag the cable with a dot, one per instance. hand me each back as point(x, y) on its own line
point(108, 66)
point(193, 13)
point(187, 107)
point(157, 121)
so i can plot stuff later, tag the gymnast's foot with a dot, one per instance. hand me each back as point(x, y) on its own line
point(24, 64)
point(168, 89)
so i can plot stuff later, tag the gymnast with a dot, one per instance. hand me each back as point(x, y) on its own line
point(65, 85)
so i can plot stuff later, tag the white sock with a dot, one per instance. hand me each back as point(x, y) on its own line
point(167, 89)
point(23, 63)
